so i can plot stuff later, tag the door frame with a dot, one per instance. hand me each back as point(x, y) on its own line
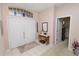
point(57, 18)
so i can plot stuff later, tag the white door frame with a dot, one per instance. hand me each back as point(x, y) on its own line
point(57, 18)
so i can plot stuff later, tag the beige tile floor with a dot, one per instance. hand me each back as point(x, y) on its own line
point(36, 51)
point(59, 50)
point(42, 50)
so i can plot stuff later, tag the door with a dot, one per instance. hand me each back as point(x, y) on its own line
point(15, 32)
point(30, 30)
point(59, 31)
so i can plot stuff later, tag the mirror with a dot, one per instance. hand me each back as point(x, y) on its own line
point(45, 26)
point(1, 28)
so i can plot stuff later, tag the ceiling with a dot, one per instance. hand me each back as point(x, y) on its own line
point(38, 6)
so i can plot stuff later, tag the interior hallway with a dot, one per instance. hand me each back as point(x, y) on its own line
point(59, 50)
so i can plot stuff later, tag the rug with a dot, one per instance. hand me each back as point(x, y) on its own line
point(27, 47)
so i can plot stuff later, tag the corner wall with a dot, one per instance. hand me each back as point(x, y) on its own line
point(71, 10)
point(4, 6)
point(48, 16)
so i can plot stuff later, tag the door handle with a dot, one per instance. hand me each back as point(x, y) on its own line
point(24, 35)
point(1, 27)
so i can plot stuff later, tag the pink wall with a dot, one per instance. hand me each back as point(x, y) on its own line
point(4, 13)
point(48, 16)
point(1, 40)
point(71, 10)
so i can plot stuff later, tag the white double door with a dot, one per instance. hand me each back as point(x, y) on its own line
point(21, 31)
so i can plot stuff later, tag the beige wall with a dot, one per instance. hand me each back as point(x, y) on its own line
point(1, 40)
point(47, 16)
point(51, 14)
point(71, 10)
point(5, 15)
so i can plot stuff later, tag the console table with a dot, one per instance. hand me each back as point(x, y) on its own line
point(44, 39)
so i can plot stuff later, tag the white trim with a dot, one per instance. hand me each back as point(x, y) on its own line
point(56, 27)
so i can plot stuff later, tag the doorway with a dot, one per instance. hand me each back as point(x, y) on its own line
point(62, 32)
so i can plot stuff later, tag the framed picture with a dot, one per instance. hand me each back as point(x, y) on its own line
point(45, 26)
point(37, 26)
point(1, 28)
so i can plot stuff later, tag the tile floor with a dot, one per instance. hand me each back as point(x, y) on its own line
point(42, 50)
point(35, 51)
point(59, 50)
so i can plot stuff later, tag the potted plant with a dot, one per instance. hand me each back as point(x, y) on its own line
point(75, 44)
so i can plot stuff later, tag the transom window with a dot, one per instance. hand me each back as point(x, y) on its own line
point(20, 12)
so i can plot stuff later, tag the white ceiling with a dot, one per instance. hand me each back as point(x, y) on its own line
point(38, 6)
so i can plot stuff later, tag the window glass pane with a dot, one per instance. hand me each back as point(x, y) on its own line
point(14, 10)
point(20, 12)
point(11, 12)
